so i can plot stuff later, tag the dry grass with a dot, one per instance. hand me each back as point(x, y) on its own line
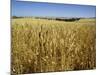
point(48, 45)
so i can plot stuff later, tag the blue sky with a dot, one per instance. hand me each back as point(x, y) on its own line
point(51, 9)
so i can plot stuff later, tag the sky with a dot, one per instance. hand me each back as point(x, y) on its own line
point(40, 9)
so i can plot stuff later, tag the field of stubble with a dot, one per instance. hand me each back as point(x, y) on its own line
point(47, 45)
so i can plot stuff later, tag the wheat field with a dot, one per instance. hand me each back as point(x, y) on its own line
point(40, 45)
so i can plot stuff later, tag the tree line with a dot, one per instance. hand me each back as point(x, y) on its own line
point(58, 19)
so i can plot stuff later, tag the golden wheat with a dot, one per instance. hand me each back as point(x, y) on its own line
point(47, 45)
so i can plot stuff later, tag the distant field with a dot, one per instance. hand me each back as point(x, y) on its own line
point(40, 45)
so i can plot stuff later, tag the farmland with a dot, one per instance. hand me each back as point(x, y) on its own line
point(40, 45)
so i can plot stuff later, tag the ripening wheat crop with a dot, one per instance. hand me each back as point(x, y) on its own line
point(47, 45)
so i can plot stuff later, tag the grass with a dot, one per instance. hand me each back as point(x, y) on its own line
point(47, 45)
